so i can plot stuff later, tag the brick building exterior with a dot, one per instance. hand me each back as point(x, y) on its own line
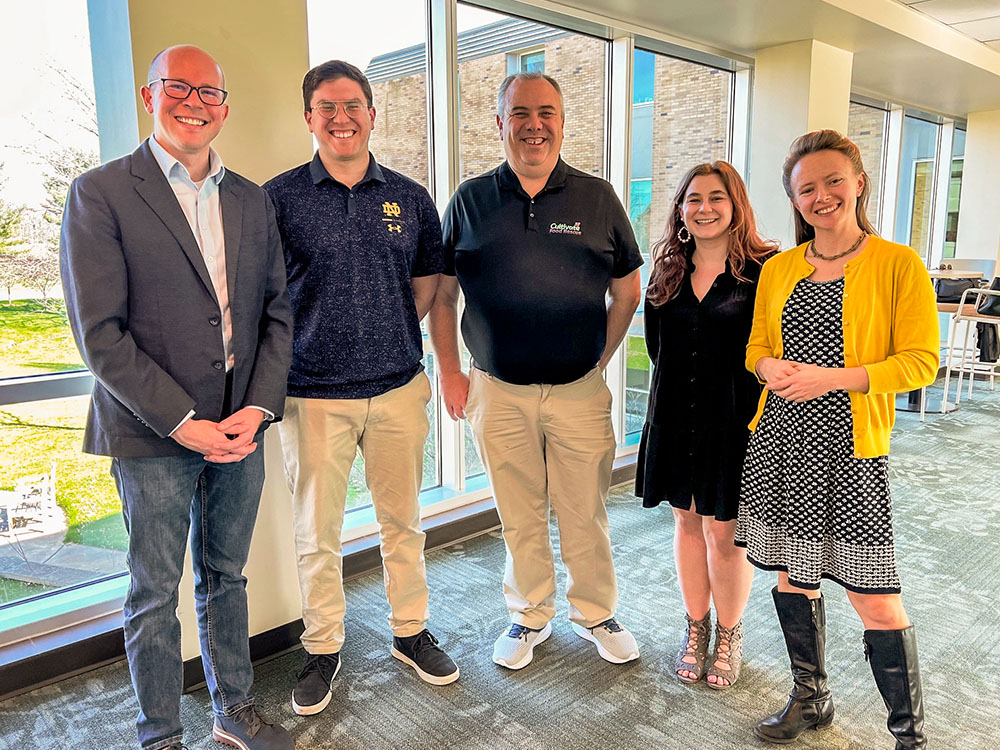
point(690, 122)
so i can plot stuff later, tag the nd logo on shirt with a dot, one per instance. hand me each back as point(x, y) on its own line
point(391, 213)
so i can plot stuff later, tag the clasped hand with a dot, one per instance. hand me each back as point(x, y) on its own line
point(228, 441)
point(796, 381)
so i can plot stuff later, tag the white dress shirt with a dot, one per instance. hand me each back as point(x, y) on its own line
point(202, 208)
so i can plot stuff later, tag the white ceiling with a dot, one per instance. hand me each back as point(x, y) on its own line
point(902, 53)
point(979, 19)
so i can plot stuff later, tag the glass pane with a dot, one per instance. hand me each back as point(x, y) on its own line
point(395, 62)
point(60, 516)
point(916, 185)
point(473, 466)
point(680, 118)
point(638, 371)
point(490, 47)
point(358, 494)
point(46, 140)
point(866, 127)
point(954, 193)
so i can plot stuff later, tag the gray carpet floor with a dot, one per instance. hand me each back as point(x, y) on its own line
point(945, 477)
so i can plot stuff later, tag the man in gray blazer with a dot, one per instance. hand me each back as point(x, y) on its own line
point(175, 290)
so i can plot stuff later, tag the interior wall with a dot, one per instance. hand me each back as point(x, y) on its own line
point(979, 220)
point(263, 48)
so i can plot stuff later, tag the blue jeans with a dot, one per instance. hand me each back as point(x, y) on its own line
point(162, 500)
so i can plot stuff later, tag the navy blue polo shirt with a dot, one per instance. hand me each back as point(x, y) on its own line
point(351, 254)
point(535, 271)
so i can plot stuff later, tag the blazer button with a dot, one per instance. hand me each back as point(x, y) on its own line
point(217, 365)
point(213, 321)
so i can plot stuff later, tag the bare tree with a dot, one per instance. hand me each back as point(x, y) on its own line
point(11, 241)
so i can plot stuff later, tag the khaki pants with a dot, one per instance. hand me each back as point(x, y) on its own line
point(320, 439)
point(545, 444)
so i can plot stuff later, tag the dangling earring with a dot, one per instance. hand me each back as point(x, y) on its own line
point(683, 234)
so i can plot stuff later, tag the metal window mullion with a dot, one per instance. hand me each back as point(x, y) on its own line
point(942, 185)
point(443, 143)
point(618, 167)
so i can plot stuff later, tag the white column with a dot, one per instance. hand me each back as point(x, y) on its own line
point(798, 87)
point(978, 217)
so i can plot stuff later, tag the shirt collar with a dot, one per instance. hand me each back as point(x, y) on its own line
point(319, 172)
point(168, 163)
point(557, 178)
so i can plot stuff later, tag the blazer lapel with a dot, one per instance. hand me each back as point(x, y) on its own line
point(231, 197)
point(155, 190)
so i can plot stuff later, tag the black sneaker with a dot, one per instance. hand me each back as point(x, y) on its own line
point(421, 652)
point(314, 683)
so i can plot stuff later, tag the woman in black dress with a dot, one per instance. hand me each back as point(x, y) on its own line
point(698, 314)
point(842, 322)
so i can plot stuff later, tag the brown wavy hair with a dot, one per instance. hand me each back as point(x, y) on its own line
point(671, 256)
point(825, 140)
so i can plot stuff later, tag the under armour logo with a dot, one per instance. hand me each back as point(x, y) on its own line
point(395, 228)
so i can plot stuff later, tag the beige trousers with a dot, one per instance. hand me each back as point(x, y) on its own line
point(320, 439)
point(549, 446)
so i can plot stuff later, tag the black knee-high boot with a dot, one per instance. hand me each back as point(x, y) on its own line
point(810, 706)
point(893, 656)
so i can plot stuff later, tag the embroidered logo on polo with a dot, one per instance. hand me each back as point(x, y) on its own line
point(560, 228)
point(391, 213)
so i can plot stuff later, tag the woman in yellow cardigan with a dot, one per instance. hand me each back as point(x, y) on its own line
point(841, 323)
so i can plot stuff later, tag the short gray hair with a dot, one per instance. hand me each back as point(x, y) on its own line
point(533, 75)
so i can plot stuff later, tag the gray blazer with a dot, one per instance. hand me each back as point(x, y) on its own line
point(144, 313)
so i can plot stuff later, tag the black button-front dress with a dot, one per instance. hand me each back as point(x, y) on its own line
point(701, 399)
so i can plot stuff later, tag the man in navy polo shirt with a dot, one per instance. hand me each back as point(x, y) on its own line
point(536, 246)
point(363, 253)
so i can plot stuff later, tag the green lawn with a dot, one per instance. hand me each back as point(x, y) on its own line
point(638, 358)
point(35, 338)
point(11, 591)
point(38, 436)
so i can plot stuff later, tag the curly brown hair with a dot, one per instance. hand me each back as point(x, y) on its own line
point(671, 256)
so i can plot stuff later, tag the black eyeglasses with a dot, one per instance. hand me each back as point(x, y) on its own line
point(177, 89)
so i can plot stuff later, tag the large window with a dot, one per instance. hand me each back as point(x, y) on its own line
point(681, 113)
point(395, 64)
point(60, 517)
point(915, 198)
point(954, 193)
point(485, 43)
point(394, 60)
point(866, 127)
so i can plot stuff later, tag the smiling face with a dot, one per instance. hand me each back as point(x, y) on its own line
point(825, 190)
point(185, 127)
point(532, 127)
point(707, 209)
point(344, 137)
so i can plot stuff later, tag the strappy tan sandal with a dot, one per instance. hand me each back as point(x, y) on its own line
point(728, 651)
point(695, 645)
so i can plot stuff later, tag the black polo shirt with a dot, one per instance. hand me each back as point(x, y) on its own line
point(351, 255)
point(535, 271)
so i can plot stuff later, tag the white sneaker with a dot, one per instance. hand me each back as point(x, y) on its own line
point(614, 643)
point(515, 648)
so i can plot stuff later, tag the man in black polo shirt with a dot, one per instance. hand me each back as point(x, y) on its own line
point(363, 252)
point(536, 245)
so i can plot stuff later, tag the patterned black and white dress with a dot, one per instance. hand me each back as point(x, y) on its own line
point(808, 506)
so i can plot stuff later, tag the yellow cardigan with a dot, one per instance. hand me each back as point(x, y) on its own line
point(890, 328)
